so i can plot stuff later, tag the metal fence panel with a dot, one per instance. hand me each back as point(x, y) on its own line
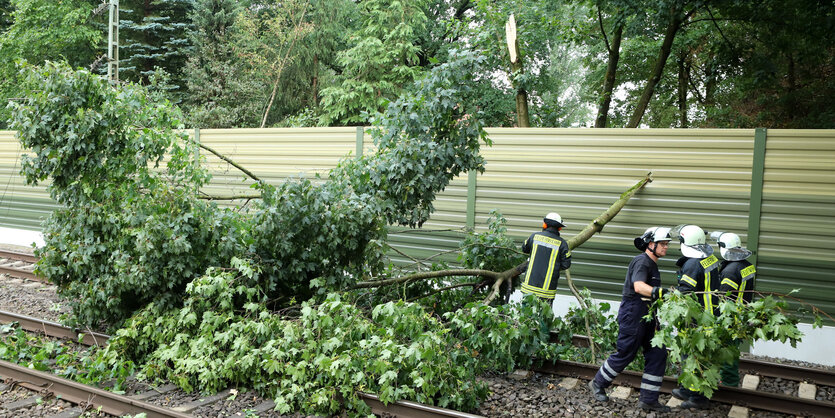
point(797, 238)
point(21, 206)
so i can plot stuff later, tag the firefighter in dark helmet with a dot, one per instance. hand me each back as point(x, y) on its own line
point(549, 254)
point(641, 287)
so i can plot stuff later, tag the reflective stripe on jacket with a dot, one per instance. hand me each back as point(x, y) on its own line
point(549, 254)
point(700, 275)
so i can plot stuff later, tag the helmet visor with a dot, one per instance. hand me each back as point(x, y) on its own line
point(735, 254)
point(696, 251)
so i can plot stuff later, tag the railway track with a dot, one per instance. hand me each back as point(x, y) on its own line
point(87, 397)
point(16, 264)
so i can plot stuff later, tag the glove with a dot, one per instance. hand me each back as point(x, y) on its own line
point(657, 293)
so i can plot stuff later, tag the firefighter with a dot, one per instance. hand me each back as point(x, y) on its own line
point(549, 254)
point(641, 287)
point(736, 276)
point(698, 272)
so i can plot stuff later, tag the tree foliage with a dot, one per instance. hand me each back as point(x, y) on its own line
point(702, 342)
point(131, 233)
point(38, 30)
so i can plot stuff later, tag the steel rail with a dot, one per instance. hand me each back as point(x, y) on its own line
point(17, 255)
point(15, 271)
point(774, 402)
point(80, 394)
point(759, 367)
point(409, 409)
point(406, 409)
point(54, 329)
point(788, 371)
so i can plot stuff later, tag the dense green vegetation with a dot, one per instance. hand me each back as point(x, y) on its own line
point(268, 296)
point(603, 63)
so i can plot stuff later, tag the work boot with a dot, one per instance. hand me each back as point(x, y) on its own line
point(696, 403)
point(657, 406)
point(682, 393)
point(598, 392)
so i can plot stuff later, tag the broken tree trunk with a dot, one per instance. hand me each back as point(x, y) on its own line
point(501, 277)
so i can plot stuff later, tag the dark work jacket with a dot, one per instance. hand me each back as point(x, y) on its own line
point(549, 254)
point(634, 306)
point(700, 275)
point(737, 277)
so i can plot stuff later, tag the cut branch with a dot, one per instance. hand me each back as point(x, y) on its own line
point(230, 197)
point(594, 227)
point(229, 160)
point(501, 277)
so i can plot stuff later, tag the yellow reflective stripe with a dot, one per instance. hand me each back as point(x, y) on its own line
point(708, 296)
point(539, 292)
point(741, 293)
point(568, 254)
point(551, 262)
point(530, 265)
point(730, 283)
point(707, 262)
point(689, 280)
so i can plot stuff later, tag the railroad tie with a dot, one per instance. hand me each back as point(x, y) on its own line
point(806, 391)
point(154, 392)
point(674, 402)
point(520, 374)
point(750, 381)
point(569, 383)
point(621, 392)
point(191, 406)
point(68, 413)
point(23, 403)
point(738, 412)
point(263, 407)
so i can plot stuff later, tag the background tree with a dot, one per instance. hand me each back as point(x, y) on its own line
point(40, 30)
point(221, 91)
point(383, 56)
point(154, 33)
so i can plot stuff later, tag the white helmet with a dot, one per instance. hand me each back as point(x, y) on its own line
point(730, 246)
point(693, 243)
point(652, 234)
point(553, 219)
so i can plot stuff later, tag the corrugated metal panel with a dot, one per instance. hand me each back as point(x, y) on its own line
point(700, 177)
point(797, 238)
point(21, 206)
point(273, 154)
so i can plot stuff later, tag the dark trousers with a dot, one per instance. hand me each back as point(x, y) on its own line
point(635, 333)
point(730, 371)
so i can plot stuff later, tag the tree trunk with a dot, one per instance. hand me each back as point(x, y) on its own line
point(522, 117)
point(657, 71)
point(609, 82)
point(682, 89)
point(315, 82)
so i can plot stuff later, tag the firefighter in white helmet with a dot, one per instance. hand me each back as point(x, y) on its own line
point(549, 255)
point(736, 275)
point(641, 287)
point(698, 272)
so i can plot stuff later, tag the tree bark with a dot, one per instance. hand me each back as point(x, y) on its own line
point(683, 76)
point(657, 71)
point(229, 160)
point(522, 116)
point(609, 82)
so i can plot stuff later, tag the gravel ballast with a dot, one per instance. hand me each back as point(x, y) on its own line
point(538, 396)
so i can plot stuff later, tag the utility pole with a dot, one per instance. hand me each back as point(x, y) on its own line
point(113, 43)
